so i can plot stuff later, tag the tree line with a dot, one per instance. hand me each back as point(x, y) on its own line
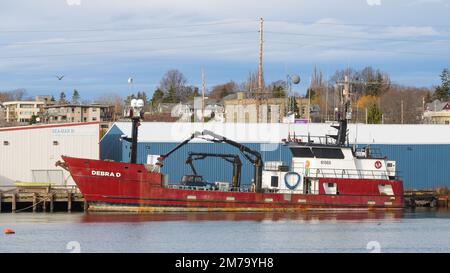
point(375, 98)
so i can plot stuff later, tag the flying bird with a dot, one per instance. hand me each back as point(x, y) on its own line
point(60, 77)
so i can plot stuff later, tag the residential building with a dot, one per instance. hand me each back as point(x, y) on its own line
point(437, 112)
point(2, 114)
point(22, 112)
point(240, 108)
point(61, 113)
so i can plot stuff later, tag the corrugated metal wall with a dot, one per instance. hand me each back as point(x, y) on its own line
point(420, 166)
point(110, 145)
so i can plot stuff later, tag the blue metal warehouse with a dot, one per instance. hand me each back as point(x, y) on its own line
point(422, 152)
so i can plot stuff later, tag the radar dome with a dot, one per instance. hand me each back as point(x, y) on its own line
point(295, 79)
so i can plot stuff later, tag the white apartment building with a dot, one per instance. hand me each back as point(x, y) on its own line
point(22, 111)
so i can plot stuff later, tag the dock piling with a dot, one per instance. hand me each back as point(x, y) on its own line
point(69, 201)
point(44, 204)
point(34, 202)
point(13, 203)
point(38, 199)
point(51, 202)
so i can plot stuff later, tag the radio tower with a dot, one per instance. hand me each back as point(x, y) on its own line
point(260, 70)
point(203, 94)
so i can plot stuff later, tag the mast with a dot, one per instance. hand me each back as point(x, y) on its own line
point(260, 69)
point(203, 95)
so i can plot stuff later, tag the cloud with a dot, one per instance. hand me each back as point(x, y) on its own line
point(374, 2)
point(73, 2)
point(153, 36)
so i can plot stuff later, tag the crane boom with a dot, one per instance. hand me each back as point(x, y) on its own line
point(234, 159)
point(251, 155)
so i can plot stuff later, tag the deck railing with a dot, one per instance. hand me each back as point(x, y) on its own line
point(343, 173)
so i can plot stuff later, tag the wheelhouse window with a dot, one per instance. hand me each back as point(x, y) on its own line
point(302, 152)
point(331, 153)
point(274, 181)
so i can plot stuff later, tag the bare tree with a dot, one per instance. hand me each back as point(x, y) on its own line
point(222, 90)
point(114, 100)
point(174, 79)
point(17, 94)
point(412, 99)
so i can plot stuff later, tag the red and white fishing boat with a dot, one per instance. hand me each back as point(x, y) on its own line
point(325, 173)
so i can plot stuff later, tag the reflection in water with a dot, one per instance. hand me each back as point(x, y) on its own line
point(349, 231)
point(357, 216)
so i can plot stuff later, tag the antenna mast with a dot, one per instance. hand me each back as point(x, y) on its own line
point(260, 70)
point(203, 95)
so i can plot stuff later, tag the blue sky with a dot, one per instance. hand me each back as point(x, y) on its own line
point(99, 44)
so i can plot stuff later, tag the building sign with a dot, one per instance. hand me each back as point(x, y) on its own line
point(63, 131)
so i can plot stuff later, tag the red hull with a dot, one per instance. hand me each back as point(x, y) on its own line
point(113, 186)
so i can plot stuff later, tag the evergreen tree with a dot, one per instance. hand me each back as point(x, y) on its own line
point(75, 97)
point(278, 91)
point(128, 99)
point(374, 115)
point(171, 96)
point(292, 102)
point(53, 98)
point(33, 119)
point(62, 98)
point(442, 91)
point(310, 92)
point(158, 96)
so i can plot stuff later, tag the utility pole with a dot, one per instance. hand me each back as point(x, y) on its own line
point(203, 94)
point(326, 103)
point(260, 70)
point(402, 111)
point(367, 117)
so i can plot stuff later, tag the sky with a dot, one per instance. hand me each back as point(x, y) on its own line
point(99, 44)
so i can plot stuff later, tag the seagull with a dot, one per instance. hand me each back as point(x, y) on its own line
point(60, 77)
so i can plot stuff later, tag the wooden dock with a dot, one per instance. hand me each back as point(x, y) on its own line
point(42, 199)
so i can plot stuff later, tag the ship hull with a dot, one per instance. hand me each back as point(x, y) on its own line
point(114, 186)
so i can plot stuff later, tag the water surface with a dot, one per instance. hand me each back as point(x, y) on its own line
point(401, 231)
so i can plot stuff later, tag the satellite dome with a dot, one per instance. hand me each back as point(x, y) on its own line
point(295, 79)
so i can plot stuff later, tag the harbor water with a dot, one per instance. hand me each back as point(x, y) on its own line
point(424, 230)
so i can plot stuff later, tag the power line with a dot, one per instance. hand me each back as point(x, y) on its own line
point(132, 28)
point(125, 40)
point(356, 24)
point(118, 51)
point(367, 49)
point(354, 37)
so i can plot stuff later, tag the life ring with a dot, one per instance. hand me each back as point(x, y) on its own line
point(378, 164)
point(286, 182)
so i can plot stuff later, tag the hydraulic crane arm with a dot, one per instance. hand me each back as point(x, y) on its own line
point(166, 155)
point(251, 155)
point(234, 159)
